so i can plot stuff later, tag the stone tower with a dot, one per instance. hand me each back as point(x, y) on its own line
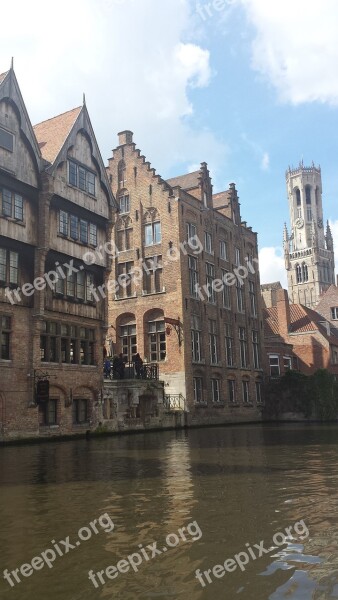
point(308, 249)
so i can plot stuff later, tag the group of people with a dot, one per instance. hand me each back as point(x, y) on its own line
point(115, 368)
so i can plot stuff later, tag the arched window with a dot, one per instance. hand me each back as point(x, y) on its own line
point(299, 274)
point(308, 194)
point(298, 197)
point(317, 195)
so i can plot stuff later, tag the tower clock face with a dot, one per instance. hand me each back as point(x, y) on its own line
point(320, 223)
point(299, 223)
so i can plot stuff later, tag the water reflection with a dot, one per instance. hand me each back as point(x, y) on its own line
point(241, 485)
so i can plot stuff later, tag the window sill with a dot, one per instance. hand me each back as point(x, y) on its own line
point(13, 220)
point(125, 298)
point(153, 293)
point(45, 427)
point(201, 404)
point(75, 187)
point(218, 365)
point(218, 404)
point(6, 362)
point(199, 362)
point(152, 245)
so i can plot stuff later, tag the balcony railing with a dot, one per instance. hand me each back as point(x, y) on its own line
point(174, 402)
point(148, 371)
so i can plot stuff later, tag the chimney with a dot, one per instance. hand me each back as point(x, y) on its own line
point(283, 312)
point(125, 137)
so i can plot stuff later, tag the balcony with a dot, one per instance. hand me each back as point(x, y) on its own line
point(174, 402)
point(148, 371)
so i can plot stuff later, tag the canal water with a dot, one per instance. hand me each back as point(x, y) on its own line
point(232, 489)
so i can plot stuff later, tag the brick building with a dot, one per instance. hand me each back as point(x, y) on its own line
point(55, 205)
point(297, 337)
point(177, 243)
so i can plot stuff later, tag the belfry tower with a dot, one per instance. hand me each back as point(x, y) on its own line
point(308, 249)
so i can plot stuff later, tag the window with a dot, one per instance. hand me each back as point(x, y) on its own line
point(308, 194)
point(243, 351)
point(215, 387)
point(157, 341)
point(305, 273)
point(299, 213)
point(232, 391)
point(76, 285)
point(240, 295)
point(74, 227)
point(66, 343)
point(92, 234)
point(153, 275)
point(6, 140)
point(128, 341)
point(309, 214)
point(48, 412)
point(198, 389)
point(274, 365)
point(12, 204)
point(193, 276)
point(9, 267)
point(63, 222)
point(196, 338)
point(153, 233)
point(125, 279)
point(252, 296)
point(49, 350)
point(81, 177)
point(213, 342)
point(334, 313)
point(245, 391)
point(255, 349)
point(258, 389)
point(125, 239)
point(229, 345)
point(287, 360)
point(80, 411)
point(124, 204)
point(210, 276)
point(299, 274)
point(237, 257)
point(191, 231)
point(226, 293)
point(298, 199)
point(208, 242)
point(5, 334)
point(223, 251)
point(83, 231)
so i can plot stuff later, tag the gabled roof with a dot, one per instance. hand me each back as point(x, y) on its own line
point(303, 320)
point(188, 181)
point(52, 134)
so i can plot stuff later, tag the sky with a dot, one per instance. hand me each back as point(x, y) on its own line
point(248, 86)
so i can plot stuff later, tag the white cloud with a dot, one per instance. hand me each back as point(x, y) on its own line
point(296, 47)
point(133, 59)
point(272, 266)
point(265, 164)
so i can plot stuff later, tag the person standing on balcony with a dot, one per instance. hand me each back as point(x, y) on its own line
point(138, 362)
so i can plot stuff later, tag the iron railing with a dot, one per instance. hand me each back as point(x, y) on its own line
point(129, 371)
point(174, 402)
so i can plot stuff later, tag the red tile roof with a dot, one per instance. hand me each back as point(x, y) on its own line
point(303, 320)
point(52, 134)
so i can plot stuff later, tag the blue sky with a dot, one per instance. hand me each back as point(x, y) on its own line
point(249, 88)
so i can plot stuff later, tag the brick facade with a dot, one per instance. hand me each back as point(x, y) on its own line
point(297, 337)
point(157, 215)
